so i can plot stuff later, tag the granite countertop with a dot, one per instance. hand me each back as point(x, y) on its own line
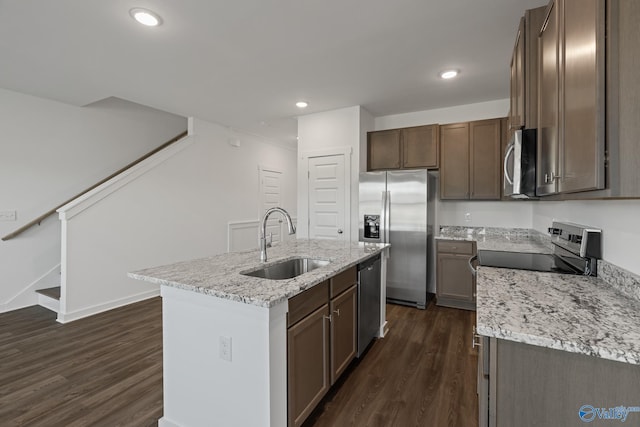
point(220, 276)
point(499, 239)
point(578, 314)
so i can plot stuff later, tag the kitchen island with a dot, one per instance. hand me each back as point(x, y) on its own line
point(225, 333)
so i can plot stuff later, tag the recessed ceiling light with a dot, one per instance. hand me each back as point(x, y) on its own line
point(302, 104)
point(448, 74)
point(145, 17)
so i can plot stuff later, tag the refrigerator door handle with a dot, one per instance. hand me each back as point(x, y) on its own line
point(383, 218)
point(387, 215)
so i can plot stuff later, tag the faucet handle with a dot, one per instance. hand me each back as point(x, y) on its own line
point(269, 241)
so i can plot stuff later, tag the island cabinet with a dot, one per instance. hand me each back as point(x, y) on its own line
point(471, 161)
point(343, 293)
point(322, 341)
point(571, 93)
point(456, 284)
point(412, 147)
point(527, 385)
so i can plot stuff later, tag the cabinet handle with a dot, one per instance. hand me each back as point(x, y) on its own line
point(337, 312)
point(328, 318)
point(475, 343)
point(549, 178)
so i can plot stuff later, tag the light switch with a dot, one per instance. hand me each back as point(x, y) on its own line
point(225, 348)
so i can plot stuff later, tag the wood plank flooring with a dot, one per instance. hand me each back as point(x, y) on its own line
point(423, 373)
point(106, 370)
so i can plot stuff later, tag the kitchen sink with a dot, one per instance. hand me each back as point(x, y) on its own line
point(287, 269)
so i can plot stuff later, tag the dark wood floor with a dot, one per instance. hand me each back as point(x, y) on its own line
point(106, 370)
point(423, 373)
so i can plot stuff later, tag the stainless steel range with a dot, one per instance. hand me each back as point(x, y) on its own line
point(576, 251)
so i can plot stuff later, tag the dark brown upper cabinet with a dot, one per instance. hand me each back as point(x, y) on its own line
point(470, 163)
point(410, 148)
point(571, 98)
point(524, 71)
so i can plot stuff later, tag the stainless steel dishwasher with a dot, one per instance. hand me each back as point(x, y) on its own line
point(368, 302)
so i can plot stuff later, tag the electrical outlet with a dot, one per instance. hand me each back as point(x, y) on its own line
point(467, 217)
point(225, 348)
point(8, 215)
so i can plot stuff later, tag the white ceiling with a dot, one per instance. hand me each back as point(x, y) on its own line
point(244, 63)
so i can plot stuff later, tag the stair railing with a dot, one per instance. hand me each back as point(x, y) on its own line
point(45, 215)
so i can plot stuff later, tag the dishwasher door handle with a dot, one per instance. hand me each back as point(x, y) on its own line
point(471, 260)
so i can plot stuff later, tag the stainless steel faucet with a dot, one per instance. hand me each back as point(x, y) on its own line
point(263, 230)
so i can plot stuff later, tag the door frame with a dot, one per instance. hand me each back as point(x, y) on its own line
point(303, 177)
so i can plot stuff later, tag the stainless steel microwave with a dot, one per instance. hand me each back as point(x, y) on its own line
point(520, 165)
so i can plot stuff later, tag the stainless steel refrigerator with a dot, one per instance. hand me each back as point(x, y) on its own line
point(397, 207)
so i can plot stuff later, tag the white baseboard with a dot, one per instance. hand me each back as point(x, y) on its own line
point(163, 422)
point(27, 296)
point(99, 308)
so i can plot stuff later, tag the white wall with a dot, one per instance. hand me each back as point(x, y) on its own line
point(485, 214)
point(618, 220)
point(460, 113)
point(326, 131)
point(176, 211)
point(49, 152)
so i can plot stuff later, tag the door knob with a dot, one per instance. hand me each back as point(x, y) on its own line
point(339, 231)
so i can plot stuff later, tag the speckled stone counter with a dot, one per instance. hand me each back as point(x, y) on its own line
point(221, 328)
point(499, 239)
point(573, 313)
point(220, 276)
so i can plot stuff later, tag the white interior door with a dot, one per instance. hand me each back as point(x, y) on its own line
point(327, 189)
point(271, 196)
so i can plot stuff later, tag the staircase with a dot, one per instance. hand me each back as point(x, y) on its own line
point(49, 298)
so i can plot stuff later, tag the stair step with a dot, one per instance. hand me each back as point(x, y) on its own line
point(51, 292)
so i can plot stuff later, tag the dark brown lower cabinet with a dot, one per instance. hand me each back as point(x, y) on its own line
point(322, 341)
point(531, 386)
point(344, 333)
point(308, 354)
point(456, 285)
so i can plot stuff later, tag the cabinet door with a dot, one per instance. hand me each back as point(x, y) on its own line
point(420, 147)
point(517, 79)
point(455, 281)
point(548, 103)
point(454, 161)
point(344, 333)
point(485, 161)
point(383, 149)
point(483, 382)
point(583, 107)
point(308, 364)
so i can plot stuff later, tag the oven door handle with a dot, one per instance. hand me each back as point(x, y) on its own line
point(471, 260)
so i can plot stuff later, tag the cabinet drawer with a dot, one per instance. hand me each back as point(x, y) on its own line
point(306, 302)
point(455, 247)
point(342, 281)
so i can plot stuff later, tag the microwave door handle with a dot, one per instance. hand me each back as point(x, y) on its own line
point(506, 161)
